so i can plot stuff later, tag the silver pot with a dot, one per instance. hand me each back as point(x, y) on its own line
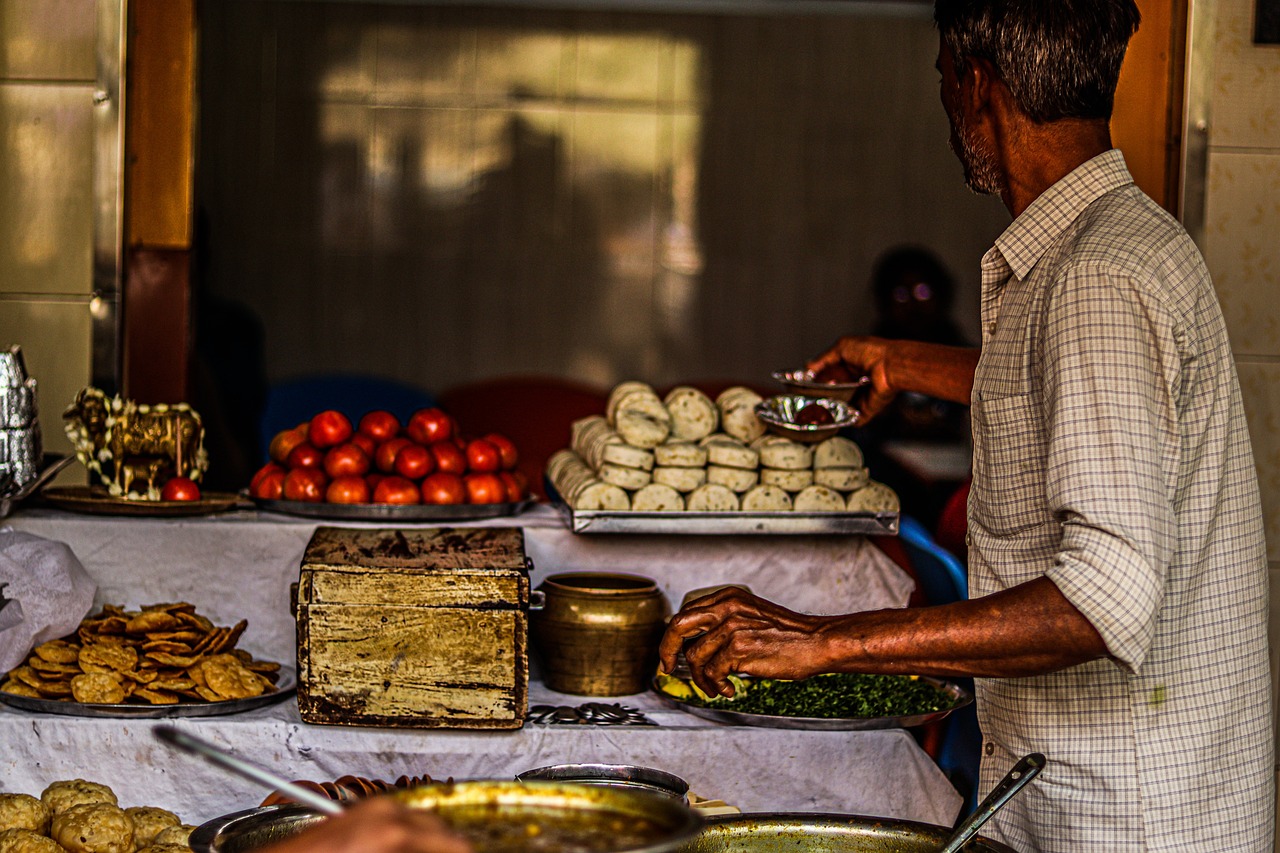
point(824, 833)
point(595, 818)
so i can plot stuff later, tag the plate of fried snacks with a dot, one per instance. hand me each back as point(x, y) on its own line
point(76, 814)
point(834, 702)
point(164, 660)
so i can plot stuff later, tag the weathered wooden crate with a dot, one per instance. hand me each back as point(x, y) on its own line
point(414, 628)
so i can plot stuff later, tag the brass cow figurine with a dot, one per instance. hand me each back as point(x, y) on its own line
point(133, 448)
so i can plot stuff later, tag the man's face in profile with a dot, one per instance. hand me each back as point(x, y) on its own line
point(976, 155)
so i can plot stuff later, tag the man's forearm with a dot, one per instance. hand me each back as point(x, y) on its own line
point(939, 371)
point(1027, 630)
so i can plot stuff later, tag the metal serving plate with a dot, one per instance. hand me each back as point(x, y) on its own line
point(782, 832)
point(393, 512)
point(729, 523)
point(284, 687)
point(822, 724)
point(95, 501)
point(801, 381)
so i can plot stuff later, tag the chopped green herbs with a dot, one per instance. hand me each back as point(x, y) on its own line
point(835, 695)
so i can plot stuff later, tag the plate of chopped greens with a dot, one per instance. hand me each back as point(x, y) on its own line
point(834, 702)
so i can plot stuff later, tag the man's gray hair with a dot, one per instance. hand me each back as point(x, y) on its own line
point(1059, 58)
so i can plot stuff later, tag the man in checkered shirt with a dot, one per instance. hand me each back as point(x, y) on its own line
point(1117, 619)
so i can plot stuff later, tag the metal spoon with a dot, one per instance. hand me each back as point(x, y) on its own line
point(1013, 782)
point(240, 767)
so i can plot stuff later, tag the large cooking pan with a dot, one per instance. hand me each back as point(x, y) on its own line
point(495, 816)
point(824, 833)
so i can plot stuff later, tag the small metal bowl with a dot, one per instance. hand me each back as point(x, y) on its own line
point(628, 776)
point(802, 381)
point(780, 414)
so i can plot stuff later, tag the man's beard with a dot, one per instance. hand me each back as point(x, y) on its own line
point(981, 169)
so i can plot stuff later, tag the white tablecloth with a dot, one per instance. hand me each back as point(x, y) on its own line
point(240, 565)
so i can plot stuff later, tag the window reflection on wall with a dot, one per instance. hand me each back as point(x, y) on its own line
point(443, 194)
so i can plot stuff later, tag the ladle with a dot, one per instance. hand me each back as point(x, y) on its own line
point(1013, 782)
point(227, 761)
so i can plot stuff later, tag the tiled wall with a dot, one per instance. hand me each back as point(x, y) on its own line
point(47, 79)
point(1242, 243)
point(444, 194)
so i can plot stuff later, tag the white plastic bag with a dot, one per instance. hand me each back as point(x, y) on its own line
point(49, 593)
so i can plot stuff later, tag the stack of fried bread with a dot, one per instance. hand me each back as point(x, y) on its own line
point(686, 452)
point(160, 655)
point(77, 816)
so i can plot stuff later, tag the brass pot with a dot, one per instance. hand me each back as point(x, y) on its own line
point(597, 632)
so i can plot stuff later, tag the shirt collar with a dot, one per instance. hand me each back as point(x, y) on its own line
point(1029, 236)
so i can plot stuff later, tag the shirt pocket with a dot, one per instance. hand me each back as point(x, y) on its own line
point(1009, 463)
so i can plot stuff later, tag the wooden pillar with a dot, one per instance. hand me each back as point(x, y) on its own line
point(159, 166)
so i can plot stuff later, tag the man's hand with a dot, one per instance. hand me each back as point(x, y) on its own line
point(733, 631)
point(377, 825)
point(865, 357)
point(939, 371)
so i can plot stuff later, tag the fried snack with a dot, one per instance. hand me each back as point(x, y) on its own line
point(93, 828)
point(60, 796)
point(26, 841)
point(178, 835)
point(23, 811)
point(97, 688)
point(148, 821)
point(154, 655)
point(165, 848)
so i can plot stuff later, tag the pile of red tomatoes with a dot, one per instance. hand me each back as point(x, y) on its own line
point(425, 461)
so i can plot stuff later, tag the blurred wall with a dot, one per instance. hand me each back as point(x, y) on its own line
point(47, 84)
point(443, 194)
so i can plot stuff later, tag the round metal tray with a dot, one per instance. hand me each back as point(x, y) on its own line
point(284, 687)
point(95, 501)
point(825, 724)
point(393, 512)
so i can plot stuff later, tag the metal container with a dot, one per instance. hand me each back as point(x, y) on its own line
point(597, 632)
point(484, 810)
point(626, 776)
point(825, 833)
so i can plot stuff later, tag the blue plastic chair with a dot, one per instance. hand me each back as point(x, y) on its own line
point(293, 401)
point(943, 580)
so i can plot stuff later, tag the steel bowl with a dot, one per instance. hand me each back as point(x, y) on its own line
point(780, 414)
point(491, 814)
point(825, 833)
point(802, 381)
point(627, 776)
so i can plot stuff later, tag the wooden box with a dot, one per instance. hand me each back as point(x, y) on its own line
point(414, 628)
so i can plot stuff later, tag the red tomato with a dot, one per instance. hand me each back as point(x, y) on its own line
point(483, 456)
point(449, 458)
point(285, 441)
point(305, 484)
point(414, 462)
point(444, 488)
point(329, 428)
point(485, 489)
point(305, 455)
point(365, 443)
point(263, 472)
point(346, 460)
point(269, 486)
point(396, 490)
point(385, 457)
point(515, 491)
point(380, 425)
point(180, 489)
point(429, 425)
point(347, 489)
point(506, 449)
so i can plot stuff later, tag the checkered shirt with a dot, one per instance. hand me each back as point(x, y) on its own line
point(1111, 455)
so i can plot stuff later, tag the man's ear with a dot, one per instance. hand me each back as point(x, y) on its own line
point(976, 87)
